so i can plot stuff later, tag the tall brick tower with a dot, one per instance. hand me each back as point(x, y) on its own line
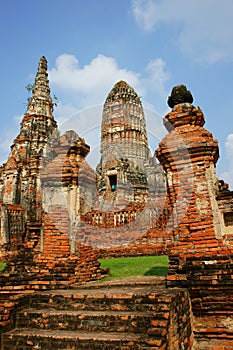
point(20, 174)
point(123, 172)
point(42, 171)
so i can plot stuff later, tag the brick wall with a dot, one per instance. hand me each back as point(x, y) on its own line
point(208, 279)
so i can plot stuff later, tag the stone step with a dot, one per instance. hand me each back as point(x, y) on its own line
point(137, 298)
point(25, 339)
point(107, 321)
point(135, 281)
point(119, 315)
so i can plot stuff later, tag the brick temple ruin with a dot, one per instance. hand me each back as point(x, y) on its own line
point(58, 216)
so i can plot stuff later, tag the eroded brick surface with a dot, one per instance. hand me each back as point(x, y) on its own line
point(58, 215)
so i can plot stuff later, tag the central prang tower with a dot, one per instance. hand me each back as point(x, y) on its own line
point(124, 126)
point(125, 168)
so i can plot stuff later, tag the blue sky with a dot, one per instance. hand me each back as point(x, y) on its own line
point(91, 44)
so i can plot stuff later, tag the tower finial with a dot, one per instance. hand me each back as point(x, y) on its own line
point(179, 94)
point(41, 102)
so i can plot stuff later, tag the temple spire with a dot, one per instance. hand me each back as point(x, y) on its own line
point(41, 102)
point(123, 119)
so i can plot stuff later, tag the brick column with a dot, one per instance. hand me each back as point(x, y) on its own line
point(188, 155)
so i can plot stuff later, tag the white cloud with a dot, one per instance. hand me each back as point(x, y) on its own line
point(93, 81)
point(157, 76)
point(145, 14)
point(228, 175)
point(229, 145)
point(206, 27)
point(89, 85)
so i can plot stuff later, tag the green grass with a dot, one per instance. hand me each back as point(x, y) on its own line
point(2, 265)
point(135, 266)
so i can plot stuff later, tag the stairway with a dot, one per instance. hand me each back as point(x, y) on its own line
point(134, 314)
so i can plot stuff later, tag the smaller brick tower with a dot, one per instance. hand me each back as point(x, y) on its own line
point(200, 258)
point(189, 155)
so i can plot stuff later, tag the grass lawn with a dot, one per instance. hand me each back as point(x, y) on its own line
point(135, 266)
point(2, 265)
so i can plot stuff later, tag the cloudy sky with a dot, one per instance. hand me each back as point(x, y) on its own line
point(91, 44)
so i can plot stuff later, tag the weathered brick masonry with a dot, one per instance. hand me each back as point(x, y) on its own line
point(57, 215)
point(201, 254)
point(39, 194)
